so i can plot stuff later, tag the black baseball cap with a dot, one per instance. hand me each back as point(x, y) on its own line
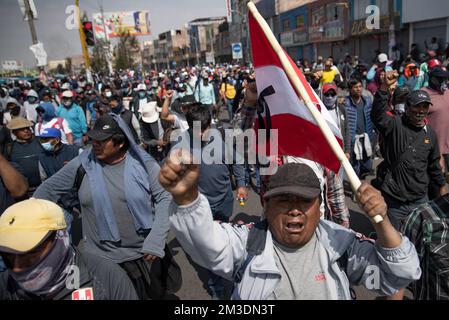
point(401, 93)
point(105, 127)
point(294, 178)
point(418, 96)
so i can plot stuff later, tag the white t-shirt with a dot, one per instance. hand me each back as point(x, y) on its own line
point(180, 123)
point(57, 123)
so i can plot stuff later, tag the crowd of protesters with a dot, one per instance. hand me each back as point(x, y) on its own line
point(100, 152)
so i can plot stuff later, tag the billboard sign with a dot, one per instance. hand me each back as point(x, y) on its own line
point(11, 65)
point(137, 23)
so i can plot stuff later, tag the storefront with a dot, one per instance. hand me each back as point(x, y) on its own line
point(366, 42)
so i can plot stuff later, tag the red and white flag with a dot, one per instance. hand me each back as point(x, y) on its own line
point(298, 132)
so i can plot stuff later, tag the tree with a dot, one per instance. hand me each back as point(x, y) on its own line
point(60, 69)
point(125, 50)
point(68, 65)
point(99, 58)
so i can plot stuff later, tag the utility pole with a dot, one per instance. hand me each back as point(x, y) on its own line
point(30, 16)
point(108, 51)
point(83, 44)
point(391, 31)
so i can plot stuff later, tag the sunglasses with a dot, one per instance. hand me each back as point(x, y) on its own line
point(329, 94)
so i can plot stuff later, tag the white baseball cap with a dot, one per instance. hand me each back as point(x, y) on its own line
point(148, 111)
point(141, 87)
point(65, 86)
point(67, 94)
point(382, 57)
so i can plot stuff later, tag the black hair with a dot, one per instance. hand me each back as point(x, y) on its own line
point(120, 138)
point(353, 82)
point(199, 112)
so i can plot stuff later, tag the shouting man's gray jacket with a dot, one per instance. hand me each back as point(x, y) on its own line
point(224, 249)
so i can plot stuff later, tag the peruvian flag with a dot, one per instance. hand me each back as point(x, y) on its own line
point(284, 110)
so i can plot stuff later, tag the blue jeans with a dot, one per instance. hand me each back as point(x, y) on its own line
point(361, 167)
point(248, 177)
point(399, 211)
point(216, 286)
point(229, 106)
point(224, 210)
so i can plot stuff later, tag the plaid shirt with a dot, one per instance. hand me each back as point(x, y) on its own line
point(428, 228)
point(339, 212)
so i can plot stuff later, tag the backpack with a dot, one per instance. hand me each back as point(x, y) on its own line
point(428, 228)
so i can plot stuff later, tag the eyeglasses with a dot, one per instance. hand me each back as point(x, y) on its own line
point(329, 94)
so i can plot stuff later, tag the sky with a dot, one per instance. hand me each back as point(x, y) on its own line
point(59, 42)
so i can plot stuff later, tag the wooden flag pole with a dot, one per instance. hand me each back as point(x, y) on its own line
point(298, 86)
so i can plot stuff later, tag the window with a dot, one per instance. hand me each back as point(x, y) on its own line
point(286, 24)
point(334, 12)
point(360, 9)
point(300, 21)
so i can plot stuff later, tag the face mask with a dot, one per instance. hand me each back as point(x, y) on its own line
point(67, 103)
point(142, 95)
point(330, 101)
point(117, 109)
point(399, 108)
point(108, 94)
point(48, 146)
point(31, 100)
point(50, 274)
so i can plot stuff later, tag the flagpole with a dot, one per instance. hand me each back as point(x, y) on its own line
point(297, 85)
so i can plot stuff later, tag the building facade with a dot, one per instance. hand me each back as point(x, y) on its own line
point(426, 19)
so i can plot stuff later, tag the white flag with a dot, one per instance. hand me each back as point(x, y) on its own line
point(40, 54)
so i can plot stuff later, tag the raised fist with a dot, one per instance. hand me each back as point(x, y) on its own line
point(179, 176)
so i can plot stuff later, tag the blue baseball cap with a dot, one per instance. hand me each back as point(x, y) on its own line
point(50, 133)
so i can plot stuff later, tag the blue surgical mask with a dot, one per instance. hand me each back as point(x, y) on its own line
point(48, 146)
point(32, 100)
point(142, 95)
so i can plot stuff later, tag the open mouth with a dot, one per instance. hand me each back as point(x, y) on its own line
point(294, 227)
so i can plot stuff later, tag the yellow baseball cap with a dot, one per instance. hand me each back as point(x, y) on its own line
point(24, 225)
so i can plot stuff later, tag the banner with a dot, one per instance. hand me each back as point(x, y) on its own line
point(137, 23)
